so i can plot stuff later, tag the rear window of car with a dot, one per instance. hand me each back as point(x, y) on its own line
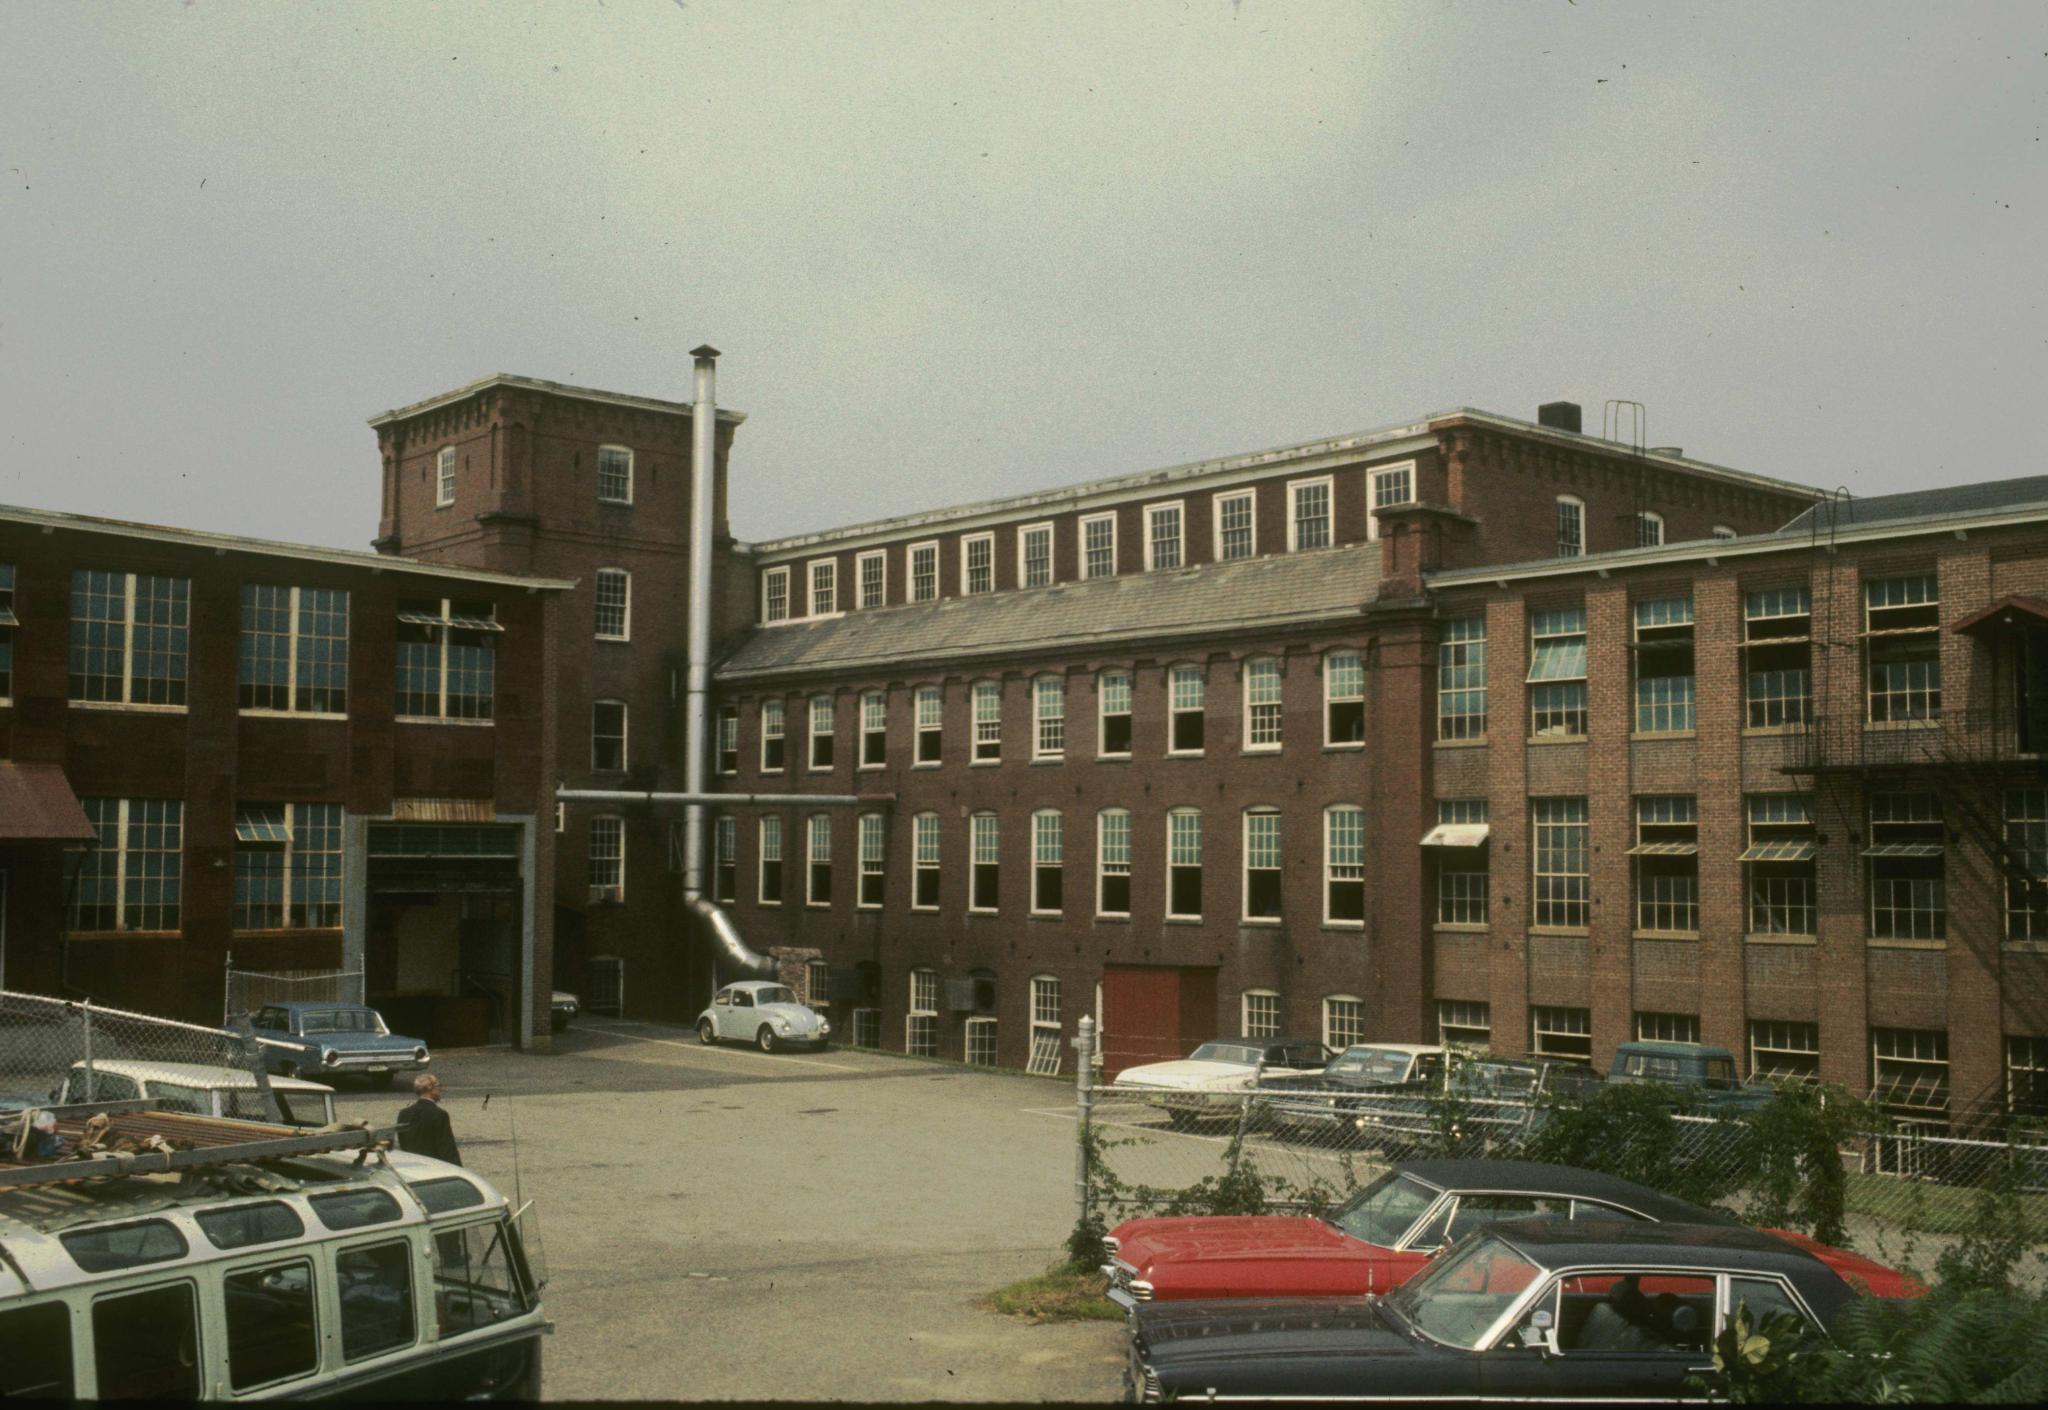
point(450, 1192)
point(124, 1245)
point(355, 1209)
point(1226, 1052)
point(245, 1225)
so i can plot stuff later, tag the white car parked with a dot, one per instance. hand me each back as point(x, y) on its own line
point(764, 1013)
point(201, 1090)
point(1223, 1065)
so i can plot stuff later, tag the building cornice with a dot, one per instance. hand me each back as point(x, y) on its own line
point(557, 389)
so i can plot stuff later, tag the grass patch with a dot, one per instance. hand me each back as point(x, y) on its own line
point(1927, 1207)
point(1062, 1293)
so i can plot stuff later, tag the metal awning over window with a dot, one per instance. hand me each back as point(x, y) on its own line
point(1665, 849)
point(1904, 849)
point(1456, 835)
point(260, 825)
point(7, 617)
point(1780, 852)
point(420, 617)
point(473, 624)
point(37, 805)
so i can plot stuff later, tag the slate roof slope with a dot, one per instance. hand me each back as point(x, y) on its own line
point(1987, 495)
point(1259, 592)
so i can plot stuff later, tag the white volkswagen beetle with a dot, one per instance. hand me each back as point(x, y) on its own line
point(764, 1013)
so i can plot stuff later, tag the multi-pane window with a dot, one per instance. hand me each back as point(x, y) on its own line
point(872, 849)
point(1557, 673)
point(1048, 718)
point(1664, 665)
point(981, 1042)
point(988, 720)
point(1667, 864)
point(129, 633)
point(1559, 858)
point(1262, 704)
point(607, 736)
point(1905, 855)
point(1184, 864)
point(725, 865)
point(871, 578)
point(1649, 529)
point(1464, 876)
point(978, 564)
point(1113, 696)
point(1236, 535)
point(771, 861)
point(607, 859)
point(1261, 1013)
point(1308, 514)
point(817, 983)
point(921, 1026)
point(1784, 1052)
point(1034, 555)
point(924, 572)
point(818, 860)
point(771, 736)
point(444, 477)
point(1902, 642)
point(1465, 1023)
point(824, 575)
point(775, 595)
point(1909, 1074)
point(132, 878)
point(1262, 864)
point(924, 862)
point(1461, 679)
point(1113, 863)
point(294, 649)
point(874, 729)
point(2026, 1076)
point(1667, 1027)
point(1162, 536)
point(1391, 488)
point(1344, 864)
point(1048, 863)
point(2026, 873)
point(287, 866)
point(1561, 1032)
point(1186, 688)
point(1780, 865)
point(1343, 699)
point(867, 1028)
point(614, 475)
point(930, 705)
point(1045, 1026)
point(821, 731)
point(985, 843)
point(447, 659)
point(1098, 546)
point(614, 594)
point(1343, 1021)
point(1777, 646)
point(729, 739)
point(1571, 527)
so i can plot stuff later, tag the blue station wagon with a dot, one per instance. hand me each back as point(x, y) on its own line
point(335, 1040)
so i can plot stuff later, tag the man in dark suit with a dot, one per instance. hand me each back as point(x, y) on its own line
point(423, 1128)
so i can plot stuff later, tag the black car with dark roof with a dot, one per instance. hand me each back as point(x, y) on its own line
point(1534, 1309)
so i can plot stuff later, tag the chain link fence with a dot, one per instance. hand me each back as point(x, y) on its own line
point(1908, 1193)
point(247, 990)
point(57, 1050)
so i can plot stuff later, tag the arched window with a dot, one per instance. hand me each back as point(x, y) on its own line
point(1649, 529)
point(1571, 526)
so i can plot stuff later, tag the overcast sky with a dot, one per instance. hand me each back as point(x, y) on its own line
point(953, 251)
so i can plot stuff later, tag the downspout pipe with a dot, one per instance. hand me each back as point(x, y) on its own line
point(697, 670)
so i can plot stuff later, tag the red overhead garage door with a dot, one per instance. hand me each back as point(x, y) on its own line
point(1154, 1013)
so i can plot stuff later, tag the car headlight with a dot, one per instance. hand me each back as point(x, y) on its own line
point(782, 1023)
point(823, 1027)
point(329, 1057)
point(419, 1054)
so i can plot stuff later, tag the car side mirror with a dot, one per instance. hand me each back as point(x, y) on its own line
point(1542, 1333)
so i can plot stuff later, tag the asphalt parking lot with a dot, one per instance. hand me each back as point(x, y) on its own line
point(727, 1224)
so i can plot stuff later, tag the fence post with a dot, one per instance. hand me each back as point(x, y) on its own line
point(1084, 1105)
point(85, 1007)
point(227, 988)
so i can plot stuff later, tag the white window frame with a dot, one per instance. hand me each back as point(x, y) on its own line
point(924, 828)
point(728, 739)
point(1217, 504)
point(817, 995)
point(1465, 1016)
point(725, 859)
point(1649, 529)
point(1331, 866)
point(768, 838)
point(624, 736)
point(602, 497)
point(812, 734)
point(1046, 1047)
point(780, 572)
point(826, 591)
point(1263, 813)
point(1372, 494)
point(1086, 521)
point(450, 622)
point(984, 839)
point(924, 1005)
point(1256, 723)
point(874, 724)
point(286, 837)
point(612, 826)
point(1178, 509)
point(1103, 713)
point(968, 542)
point(1331, 698)
point(1773, 1040)
point(1328, 485)
point(1354, 1023)
point(978, 1031)
point(1058, 863)
point(1175, 852)
point(129, 626)
point(1578, 507)
point(444, 477)
point(871, 845)
point(1174, 709)
point(815, 856)
point(1048, 726)
point(777, 708)
point(912, 590)
point(878, 559)
point(295, 634)
point(1104, 867)
point(935, 725)
point(625, 604)
point(992, 735)
point(1245, 1026)
point(1555, 1021)
point(80, 858)
point(1024, 533)
point(1664, 1027)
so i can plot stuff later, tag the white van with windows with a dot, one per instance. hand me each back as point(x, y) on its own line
point(274, 1264)
point(200, 1089)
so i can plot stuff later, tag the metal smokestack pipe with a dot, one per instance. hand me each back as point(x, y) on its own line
point(697, 670)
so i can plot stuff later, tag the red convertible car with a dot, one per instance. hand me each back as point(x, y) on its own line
point(1386, 1232)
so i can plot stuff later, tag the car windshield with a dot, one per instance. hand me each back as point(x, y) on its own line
point(1244, 1053)
point(774, 994)
point(1484, 1079)
point(1385, 1209)
point(1458, 1298)
point(1371, 1065)
point(342, 1021)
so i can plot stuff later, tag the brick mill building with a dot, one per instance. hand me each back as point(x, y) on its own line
point(1471, 727)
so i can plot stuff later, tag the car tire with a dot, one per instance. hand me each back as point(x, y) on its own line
point(288, 1068)
point(706, 1034)
point(1180, 1120)
point(766, 1039)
